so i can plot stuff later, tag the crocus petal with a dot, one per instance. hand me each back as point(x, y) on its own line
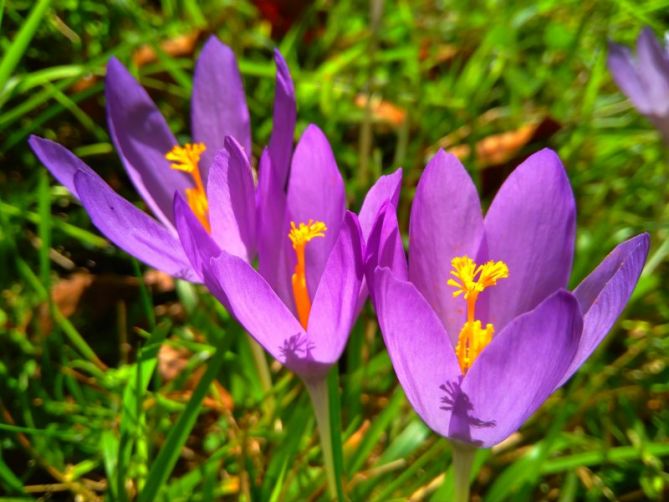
point(61, 162)
point(446, 222)
point(653, 66)
point(196, 242)
point(334, 307)
point(622, 67)
point(531, 226)
point(274, 166)
point(274, 247)
point(283, 119)
point(142, 138)
point(231, 196)
point(218, 105)
point(517, 372)
point(603, 294)
point(384, 249)
point(262, 313)
point(386, 188)
point(419, 347)
point(131, 229)
point(316, 191)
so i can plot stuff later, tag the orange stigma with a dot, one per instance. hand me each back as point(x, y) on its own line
point(299, 235)
point(470, 281)
point(187, 159)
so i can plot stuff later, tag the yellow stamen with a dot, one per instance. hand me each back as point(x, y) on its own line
point(299, 235)
point(471, 342)
point(187, 159)
point(471, 281)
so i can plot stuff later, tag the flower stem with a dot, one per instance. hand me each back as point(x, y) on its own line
point(463, 458)
point(264, 374)
point(319, 397)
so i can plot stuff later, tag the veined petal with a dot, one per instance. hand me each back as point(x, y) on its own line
point(231, 196)
point(198, 246)
point(603, 295)
point(446, 222)
point(142, 138)
point(624, 71)
point(517, 372)
point(61, 162)
point(386, 188)
point(131, 229)
point(419, 348)
point(316, 191)
point(531, 226)
point(218, 105)
point(334, 307)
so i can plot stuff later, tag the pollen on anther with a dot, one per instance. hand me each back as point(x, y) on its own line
point(300, 234)
point(185, 158)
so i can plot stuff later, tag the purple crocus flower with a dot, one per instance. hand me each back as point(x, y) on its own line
point(159, 167)
point(302, 311)
point(301, 304)
point(479, 325)
point(644, 78)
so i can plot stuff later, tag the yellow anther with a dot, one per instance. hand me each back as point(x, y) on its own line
point(471, 281)
point(471, 342)
point(299, 235)
point(187, 159)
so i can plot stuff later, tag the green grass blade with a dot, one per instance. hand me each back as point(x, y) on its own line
point(18, 47)
point(133, 399)
point(169, 453)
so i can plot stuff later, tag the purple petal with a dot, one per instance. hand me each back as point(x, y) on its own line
point(603, 294)
point(446, 222)
point(231, 196)
point(517, 372)
point(131, 229)
point(274, 248)
point(316, 191)
point(386, 188)
point(218, 102)
point(384, 249)
point(530, 226)
point(61, 162)
point(334, 306)
point(624, 71)
point(418, 345)
point(142, 139)
point(653, 67)
point(196, 242)
point(262, 313)
point(283, 120)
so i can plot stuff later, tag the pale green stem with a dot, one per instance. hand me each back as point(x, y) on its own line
point(463, 458)
point(320, 399)
point(264, 374)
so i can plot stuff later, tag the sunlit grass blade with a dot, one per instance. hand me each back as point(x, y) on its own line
point(133, 399)
point(17, 48)
point(171, 450)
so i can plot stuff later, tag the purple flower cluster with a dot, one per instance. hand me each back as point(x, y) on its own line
point(478, 323)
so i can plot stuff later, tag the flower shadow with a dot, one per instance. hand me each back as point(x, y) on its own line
point(462, 420)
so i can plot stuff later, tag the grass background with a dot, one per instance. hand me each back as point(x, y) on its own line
point(123, 384)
